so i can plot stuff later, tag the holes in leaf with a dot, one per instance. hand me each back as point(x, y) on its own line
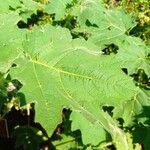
point(125, 70)
point(80, 34)
point(13, 9)
point(111, 147)
point(109, 28)
point(120, 121)
point(88, 23)
point(108, 109)
point(69, 22)
point(111, 48)
point(14, 65)
point(141, 79)
point(21, 24)
point(40, 18)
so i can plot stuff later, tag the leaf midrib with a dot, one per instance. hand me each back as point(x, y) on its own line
point(61, 71)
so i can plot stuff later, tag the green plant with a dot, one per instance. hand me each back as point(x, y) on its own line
point(82, 59)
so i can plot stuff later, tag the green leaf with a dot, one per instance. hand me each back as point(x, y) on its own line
point(91, 10)
point(65, 73)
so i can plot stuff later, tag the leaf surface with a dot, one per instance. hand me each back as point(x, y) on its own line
point(10, 40)
point(58, 8)
point(65, 73)
point(5, 5)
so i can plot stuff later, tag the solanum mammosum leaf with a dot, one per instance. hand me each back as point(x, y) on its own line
point(53, 83)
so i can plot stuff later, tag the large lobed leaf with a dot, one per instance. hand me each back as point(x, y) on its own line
point(58, 72)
